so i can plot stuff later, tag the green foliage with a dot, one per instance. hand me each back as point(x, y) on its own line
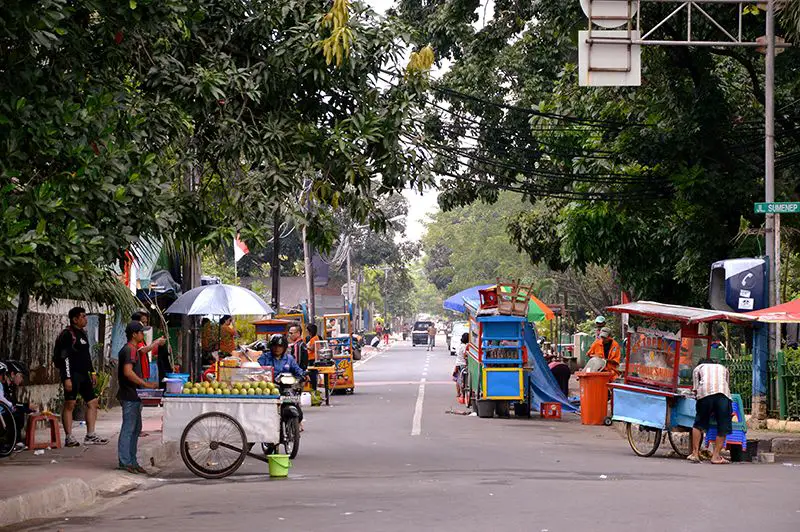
point(650, 182)
point(189, 120)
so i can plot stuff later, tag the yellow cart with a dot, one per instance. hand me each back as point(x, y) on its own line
point(338, 331)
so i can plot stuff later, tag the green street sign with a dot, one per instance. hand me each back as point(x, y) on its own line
point(786, 207)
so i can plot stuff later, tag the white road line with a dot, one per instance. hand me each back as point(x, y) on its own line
point(416, 425)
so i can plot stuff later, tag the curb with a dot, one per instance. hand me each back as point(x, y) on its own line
point(65, 495)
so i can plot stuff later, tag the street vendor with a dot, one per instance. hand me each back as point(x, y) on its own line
point(608, 349)
point(279, 359)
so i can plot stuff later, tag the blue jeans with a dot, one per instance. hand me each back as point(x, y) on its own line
point(129, 433)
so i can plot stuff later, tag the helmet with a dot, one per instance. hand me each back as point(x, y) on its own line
point(600, 320)
point(3, 368)
point(278, 340)
point(15, 366)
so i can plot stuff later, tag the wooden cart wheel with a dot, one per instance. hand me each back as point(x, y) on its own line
point(680, 444)
point(213, 445)
point(643, 440)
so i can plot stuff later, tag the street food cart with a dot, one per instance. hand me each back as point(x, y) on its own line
point(496, 360)
point(656, 393)
point(338, 332)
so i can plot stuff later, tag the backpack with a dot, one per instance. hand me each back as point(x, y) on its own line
point(58, 348)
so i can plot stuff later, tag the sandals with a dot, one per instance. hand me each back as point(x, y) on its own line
point(693, 459)
point(722, 461)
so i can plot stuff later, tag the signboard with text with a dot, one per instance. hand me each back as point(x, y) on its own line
point(785, 207)
point(652, 357)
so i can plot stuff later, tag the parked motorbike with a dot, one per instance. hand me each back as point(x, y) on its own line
point(290, 388)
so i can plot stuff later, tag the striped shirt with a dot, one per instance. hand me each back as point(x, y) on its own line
point(709, 379)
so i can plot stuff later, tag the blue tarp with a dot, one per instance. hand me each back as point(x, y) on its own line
point(543, 386)
point(456, 302)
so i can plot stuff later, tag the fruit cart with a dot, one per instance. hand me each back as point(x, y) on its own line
point(218, 424)
point(338, 332)
point(656, 393)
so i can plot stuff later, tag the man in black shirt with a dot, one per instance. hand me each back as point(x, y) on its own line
point(130, 378)
point(74, 361)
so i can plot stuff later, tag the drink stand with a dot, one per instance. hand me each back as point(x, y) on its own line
point(656, 392)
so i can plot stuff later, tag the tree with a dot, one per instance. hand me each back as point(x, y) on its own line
point(188, 120)
point(650, 182)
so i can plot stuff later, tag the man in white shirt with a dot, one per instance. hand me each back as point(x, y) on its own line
point(710, 384)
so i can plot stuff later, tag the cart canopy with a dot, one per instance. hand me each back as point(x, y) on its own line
point(662, 311)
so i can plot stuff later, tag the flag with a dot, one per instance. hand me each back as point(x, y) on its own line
point(239, 249)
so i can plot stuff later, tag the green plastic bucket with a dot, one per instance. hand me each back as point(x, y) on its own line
point(279, 465)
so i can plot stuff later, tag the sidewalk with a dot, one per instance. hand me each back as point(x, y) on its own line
point(35, 487)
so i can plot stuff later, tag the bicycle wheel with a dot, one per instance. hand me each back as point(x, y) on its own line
point(213, 445)
point(8, 431)
point(291, 436)
point(643, 440)
point(681, 442)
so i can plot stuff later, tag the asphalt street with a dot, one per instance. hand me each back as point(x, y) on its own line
point(395, 457)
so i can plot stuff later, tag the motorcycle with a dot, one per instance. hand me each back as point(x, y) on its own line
point(290, 388)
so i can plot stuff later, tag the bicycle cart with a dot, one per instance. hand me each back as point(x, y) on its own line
point(656, 393)
point(215, 435)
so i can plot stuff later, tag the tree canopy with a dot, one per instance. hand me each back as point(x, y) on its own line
point(653, 182)
point(190, 120)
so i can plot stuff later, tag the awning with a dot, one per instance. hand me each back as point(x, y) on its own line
point(651, 309)
point(783, 313)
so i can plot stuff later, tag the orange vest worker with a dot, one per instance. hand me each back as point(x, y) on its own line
point(614, 352)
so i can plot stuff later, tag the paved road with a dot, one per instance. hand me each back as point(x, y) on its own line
point(369, 463)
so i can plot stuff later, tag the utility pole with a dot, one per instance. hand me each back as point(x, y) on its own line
point(349, 281)
point(773, 220)
point(309, 269)
point(275, 270)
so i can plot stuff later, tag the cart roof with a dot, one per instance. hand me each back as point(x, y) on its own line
point(679, 313)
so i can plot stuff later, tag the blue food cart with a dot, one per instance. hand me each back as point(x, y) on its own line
point(656, 392)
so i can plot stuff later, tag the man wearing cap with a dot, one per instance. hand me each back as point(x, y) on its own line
point(608, 349)
point(599, 323)
point(130, 378)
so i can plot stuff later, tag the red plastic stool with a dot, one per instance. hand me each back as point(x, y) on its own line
point(550, 410)
point(43, 422)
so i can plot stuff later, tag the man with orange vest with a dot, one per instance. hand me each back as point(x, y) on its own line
point(607, 348)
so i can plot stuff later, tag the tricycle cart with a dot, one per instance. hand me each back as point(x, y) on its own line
point(215, 435)
point(656, 392)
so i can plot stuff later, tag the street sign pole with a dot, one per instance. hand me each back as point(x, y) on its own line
point(759, 408)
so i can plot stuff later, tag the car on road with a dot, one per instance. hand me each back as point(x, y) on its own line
point(419, 334)
point(459, 328)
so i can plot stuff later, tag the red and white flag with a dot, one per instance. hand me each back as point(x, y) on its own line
point(239, 249)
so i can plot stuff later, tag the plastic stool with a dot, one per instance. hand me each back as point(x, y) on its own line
point(550, 410)
point(43, 421)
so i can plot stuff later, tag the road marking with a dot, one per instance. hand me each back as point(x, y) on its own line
point(416, 425)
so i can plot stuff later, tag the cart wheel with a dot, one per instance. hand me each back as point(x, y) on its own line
point(290, 437)
point(349, 391)
point(607, 421)
point(681, 442)
point(643, 440)
point(213, 445)
point(8, 431)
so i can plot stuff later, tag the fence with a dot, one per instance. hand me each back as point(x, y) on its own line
point(783, 391)
point(788, 388)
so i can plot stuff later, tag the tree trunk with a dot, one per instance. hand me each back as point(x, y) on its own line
point(22, 311)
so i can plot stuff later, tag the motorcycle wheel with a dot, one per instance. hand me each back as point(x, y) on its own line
point(291, 436)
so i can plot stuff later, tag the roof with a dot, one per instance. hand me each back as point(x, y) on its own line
point(680, 313)
point(783, 313)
